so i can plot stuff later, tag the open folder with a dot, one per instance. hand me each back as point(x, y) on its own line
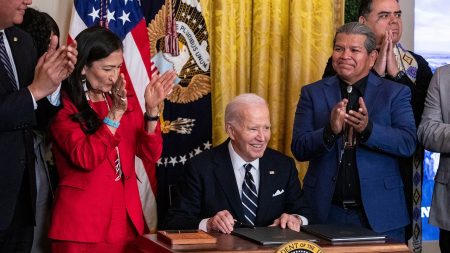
point(272, 235)
point(343, 233)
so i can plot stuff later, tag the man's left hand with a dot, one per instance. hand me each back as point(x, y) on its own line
point(358, 119)
point(291, 221)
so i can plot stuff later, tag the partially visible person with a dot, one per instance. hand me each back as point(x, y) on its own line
point(395, 63)
point(42, 27)
point(352, 128)
point(434, 134)
point(241, 181)
point(97, 135)
point(26, 88)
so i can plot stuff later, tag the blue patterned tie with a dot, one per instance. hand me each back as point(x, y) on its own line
point(4, 59)
point(249, 196)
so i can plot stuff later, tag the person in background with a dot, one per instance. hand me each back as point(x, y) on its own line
point(42, 27)
point(27, 86)
point(395, 63)
point(352, 128)
point(241, 181)
point(96, 136)
point(433, 133)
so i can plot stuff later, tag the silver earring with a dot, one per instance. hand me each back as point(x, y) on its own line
point(83, 82)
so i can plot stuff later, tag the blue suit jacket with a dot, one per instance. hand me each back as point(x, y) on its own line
point(209, 186)
point(393, 136)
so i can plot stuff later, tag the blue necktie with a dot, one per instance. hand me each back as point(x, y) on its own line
point(4, 60)
point(249, 196)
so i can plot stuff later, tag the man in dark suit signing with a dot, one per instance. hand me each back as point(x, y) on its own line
point(24, 85)
point(352, 128)
point(215, 195)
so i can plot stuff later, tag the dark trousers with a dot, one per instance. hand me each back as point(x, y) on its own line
point(444, 241)
point(18, 237)
point(357, 217)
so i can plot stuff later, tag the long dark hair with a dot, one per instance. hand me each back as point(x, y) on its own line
point(94, 43)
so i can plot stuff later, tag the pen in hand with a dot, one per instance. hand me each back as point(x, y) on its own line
point(242, 224)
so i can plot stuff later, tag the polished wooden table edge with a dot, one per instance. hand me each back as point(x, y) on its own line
point(230, 243)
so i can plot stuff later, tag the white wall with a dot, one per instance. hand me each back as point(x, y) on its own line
point(407, 7)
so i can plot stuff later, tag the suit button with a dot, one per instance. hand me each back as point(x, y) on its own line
point(334, 179)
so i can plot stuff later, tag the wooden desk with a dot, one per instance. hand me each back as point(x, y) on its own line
point(230, 243)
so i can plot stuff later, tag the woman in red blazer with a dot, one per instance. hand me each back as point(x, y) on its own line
point(97, 135)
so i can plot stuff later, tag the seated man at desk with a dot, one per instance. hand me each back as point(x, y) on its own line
point(241, 181)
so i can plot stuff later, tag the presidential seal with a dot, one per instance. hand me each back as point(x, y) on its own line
point(299, 246)
point(179, 41)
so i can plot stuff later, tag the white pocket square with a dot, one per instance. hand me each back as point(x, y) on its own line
point(278, 192)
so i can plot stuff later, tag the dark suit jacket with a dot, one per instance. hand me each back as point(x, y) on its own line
point(393, 136)
point(18, 118)
point(209, 186)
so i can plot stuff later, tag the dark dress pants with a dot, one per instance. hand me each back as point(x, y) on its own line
point(18, 237)
point(444, 241)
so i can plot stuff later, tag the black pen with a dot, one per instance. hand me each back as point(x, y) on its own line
point(242, 224)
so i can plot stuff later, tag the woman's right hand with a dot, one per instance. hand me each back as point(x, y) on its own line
point(119, 98)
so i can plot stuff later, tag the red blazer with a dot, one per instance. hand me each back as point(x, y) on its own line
point(85, 165)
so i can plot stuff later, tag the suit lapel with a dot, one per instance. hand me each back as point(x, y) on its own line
point(372, 92)
point(265, 187)
point(331, 92)
point(223, 171)
point(18, 50)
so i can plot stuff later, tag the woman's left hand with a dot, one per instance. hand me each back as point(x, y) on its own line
point(158, 89)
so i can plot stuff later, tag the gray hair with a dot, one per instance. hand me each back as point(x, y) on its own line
point(236, 106)
point(361, 29)
point(365, 8)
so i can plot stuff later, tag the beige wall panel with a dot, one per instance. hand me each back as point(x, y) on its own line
point(60, 10)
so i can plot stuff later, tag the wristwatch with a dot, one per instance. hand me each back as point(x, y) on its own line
point(399, 75)
point(148, 117)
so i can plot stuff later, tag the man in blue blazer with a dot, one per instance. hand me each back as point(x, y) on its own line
point(24, 84)
point(212, 192)
point(352, 128)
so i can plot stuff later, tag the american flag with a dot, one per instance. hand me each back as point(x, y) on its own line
point(124, 18)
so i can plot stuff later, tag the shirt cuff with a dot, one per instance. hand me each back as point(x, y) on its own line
point(302, 218)
point(202, 226)
point(365, 134)
point(328, 136)
point(54, 97)
point(35, 105)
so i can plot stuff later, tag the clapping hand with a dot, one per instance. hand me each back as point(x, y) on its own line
point(337, 116)
point(158, 89)
point(358, 119)
point(119, 96)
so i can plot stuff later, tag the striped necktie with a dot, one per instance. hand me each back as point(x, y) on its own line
point(249, 196)
point(4, 59)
